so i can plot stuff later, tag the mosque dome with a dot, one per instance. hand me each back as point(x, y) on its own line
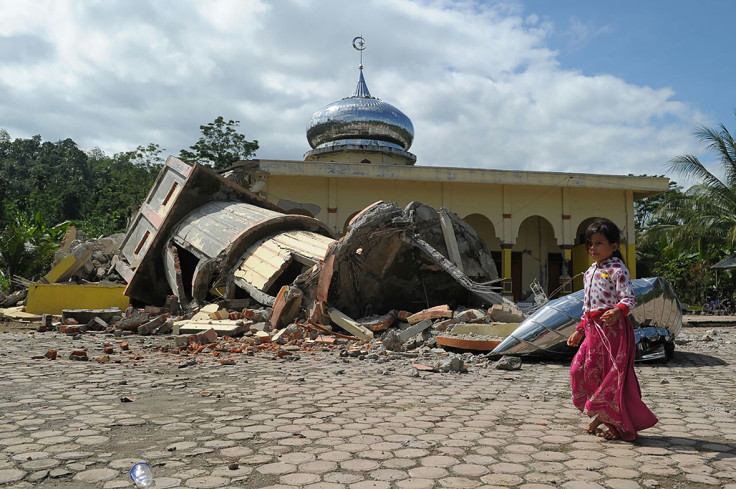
point(360, 120)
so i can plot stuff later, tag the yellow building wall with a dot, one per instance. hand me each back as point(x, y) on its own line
point(346, 195)
point(311, 190)
point(527, 201)
point(589, 202)
point(52, 298)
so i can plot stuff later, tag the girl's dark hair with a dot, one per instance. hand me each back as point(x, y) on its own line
point(608, 229)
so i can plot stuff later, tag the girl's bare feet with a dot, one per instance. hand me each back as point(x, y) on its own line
point(592, 427)
point(608, 435)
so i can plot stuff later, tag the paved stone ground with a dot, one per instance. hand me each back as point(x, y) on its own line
point(328, 422)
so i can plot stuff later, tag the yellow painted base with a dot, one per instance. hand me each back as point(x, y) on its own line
point(52, 298)
point(65, 264)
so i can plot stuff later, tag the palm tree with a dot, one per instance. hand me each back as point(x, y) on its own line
point(703, 218)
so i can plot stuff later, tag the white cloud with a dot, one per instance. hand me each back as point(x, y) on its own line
point(479, 81)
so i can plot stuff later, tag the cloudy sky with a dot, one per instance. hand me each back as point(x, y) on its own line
point(573, 86)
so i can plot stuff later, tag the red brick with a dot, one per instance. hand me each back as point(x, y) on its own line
point(210, 335)
point(51, 354)
point(403, 315)
point(435, 312)
point(80, 355)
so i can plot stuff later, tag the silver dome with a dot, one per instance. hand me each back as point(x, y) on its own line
point(360, 119)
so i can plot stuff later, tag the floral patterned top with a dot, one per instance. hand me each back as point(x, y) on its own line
point(608, 285)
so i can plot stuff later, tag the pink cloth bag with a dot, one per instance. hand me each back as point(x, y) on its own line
point(604, 383)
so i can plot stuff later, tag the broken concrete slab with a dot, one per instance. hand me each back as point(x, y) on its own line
point(223, 327)
point(83, 316)
point(450, 240)
point(69, 265)
point(349, 325)
point(132, 322)
point(96, 324)
point(414, 330)
point(508, 363)
point(506, 313)
point(19, 313)
point(468, 342)
point(494, 329)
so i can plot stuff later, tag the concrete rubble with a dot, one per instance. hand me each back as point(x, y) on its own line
point(224, 273)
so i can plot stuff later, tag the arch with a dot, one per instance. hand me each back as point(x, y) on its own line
point(487, 232)
point(367, 161)
point(580, 233)
point(536, 255)
point(485, 229)
point(518, 219)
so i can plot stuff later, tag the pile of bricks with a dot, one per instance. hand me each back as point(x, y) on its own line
point(222, 334)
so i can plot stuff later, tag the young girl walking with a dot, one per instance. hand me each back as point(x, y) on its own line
point(604, 384)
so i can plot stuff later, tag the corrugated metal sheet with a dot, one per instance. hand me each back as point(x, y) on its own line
point(211, 227)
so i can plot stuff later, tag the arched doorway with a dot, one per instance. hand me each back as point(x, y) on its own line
point(487, 232)
point(535, 255)
point(580, 259)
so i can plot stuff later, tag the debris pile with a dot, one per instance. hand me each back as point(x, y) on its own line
point(223, 271)
point(224, 332)
point(80, 260)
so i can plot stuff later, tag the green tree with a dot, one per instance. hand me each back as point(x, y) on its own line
point(646, 218)
point(118, 185)
point(43, 177)
point(27, 244)
point(704, 217)
point(692, 230)
point(220, 145)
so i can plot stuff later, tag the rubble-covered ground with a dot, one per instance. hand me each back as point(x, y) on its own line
point(335, 413)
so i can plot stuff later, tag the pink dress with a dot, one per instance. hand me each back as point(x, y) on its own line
point(604, 384)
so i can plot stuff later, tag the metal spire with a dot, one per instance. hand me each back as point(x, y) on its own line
point(361, 90)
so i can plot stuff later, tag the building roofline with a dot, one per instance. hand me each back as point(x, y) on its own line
point(642, 186)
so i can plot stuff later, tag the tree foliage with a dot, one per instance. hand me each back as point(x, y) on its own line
point(27, 244)
point(46, 185)
point(704, 215)
point(692, 230)
point(220, 145)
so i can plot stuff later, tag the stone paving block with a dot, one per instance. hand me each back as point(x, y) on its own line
point(345, 429)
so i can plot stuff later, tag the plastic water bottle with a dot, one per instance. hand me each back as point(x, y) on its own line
point(142, 475)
